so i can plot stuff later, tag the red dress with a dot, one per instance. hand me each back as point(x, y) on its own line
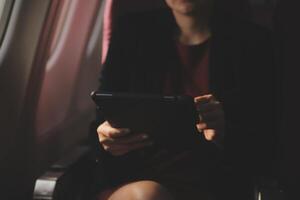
point(194, 72)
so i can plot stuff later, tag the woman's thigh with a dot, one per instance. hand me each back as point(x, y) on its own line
point(139, 190)
point(182, 176)
point(151, 190)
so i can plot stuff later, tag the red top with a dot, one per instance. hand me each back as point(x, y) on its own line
point(194, 74)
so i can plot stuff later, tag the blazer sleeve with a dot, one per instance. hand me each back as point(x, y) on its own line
point(114, 75)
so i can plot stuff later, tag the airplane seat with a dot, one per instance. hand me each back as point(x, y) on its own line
point(20, 74)
point(287, 32)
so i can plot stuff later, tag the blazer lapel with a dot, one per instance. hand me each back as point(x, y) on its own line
point(224, 60)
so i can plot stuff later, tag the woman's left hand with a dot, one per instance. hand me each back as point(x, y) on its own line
point(211, 118)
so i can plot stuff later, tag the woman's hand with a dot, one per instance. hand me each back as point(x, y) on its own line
point(120, 141)
point(211, 118)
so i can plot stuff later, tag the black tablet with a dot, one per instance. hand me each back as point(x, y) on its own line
point(167, 119)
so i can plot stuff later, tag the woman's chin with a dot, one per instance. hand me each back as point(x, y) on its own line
point(186, 9)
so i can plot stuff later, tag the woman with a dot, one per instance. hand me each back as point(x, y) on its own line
point(190, 49)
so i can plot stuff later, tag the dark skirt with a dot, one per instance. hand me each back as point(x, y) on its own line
point(186, 173)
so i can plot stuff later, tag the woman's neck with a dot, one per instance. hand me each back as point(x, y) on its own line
point(194, 28)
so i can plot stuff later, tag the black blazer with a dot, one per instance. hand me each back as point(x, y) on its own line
point(241, 76)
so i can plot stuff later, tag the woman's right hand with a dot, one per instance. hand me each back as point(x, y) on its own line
point(120, 141)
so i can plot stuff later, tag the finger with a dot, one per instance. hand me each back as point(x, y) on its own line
point(209, 134)
point(116, 132)
point(107, 130)
point(215, 136)
point(203, 98)
point(201, 126)
point(104, 140)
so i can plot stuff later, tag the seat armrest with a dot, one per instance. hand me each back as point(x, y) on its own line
point(69, 178)
point(268, 189)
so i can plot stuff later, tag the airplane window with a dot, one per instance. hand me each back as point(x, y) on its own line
point(5, 9)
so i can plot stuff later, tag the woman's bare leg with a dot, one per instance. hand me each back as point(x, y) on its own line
point(140, 190)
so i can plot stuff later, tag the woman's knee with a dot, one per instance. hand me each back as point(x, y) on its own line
point(141, 190)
